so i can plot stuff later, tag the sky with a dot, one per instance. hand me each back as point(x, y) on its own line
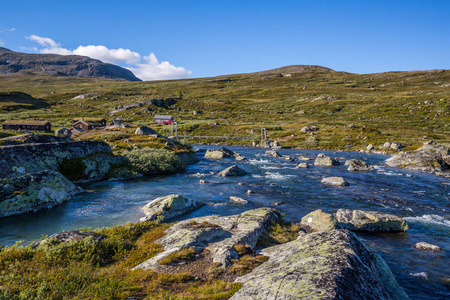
point(181, 39)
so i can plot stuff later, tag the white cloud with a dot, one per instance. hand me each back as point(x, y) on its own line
point(148, 68)
point(12, 29)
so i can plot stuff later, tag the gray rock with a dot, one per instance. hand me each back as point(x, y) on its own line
point(237, 200)
point(168, 207)
point(357, 165)
point(32, 192)
point(370, 221)
point(427, 246)
point(216, 233)
point(273, 153)
point(302, 165)
point(369, 147)
point(144, 130)
point(318, 221)
point(221, 153)
point(326, 161)
point(323, 265)
point(63, 132)
point(232, 171)
point(334, 180)
point(66, 236)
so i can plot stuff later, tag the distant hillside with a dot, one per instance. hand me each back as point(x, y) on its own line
point(294, 69)
point(60, 65)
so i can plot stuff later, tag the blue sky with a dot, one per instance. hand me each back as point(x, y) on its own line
point(172, 39)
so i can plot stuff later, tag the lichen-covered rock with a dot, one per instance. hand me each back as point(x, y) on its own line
point(221, 153)
point(144, 130)
point(188, 158)
point(325, 161)
point(318, 221)
point(168, 207)
point(237, 200)
point(66, 236)
point(357, 165)
point(232, 171)
point(219, 234)
point(369, 221)
point(427, 246)
point(32, 192)
point(45, 156)
point(334, 180)
point(431, 158)
point(323, 265)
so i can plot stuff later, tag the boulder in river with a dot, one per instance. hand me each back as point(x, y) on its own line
point(358, 165)
point(318, 221)
point(218, 233)
point(302, 165)
point(273, 153)
point(35, 191)
point(220, 153)
point(427, 246)
point(232, 171)
point(370, 221)
point(335, 180)
point(168, 207)
point(237, 200)
point(331, 264)
point(325, 161)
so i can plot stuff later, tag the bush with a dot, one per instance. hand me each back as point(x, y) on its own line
point(150, 161)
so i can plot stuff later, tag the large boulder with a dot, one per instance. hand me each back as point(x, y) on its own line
point(431, 157)
point(370, 221)
point(144, 130)
point(32, 192)
point(216, 233)
point(318, 221)
point(168, 207)
point(63, 132)
point(221, 153)
point(322, 265)
point(334, 180)
point(357, 165)
point(232, 171)
point(325, 161)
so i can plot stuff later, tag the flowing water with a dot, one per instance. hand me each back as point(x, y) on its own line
point(423, 199)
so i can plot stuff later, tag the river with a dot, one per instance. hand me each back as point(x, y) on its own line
point(423, 199)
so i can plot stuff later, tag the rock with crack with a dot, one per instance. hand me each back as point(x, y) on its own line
point(325, 161)
point(370, 221)
point(216, 233)
point(322, 265)
point(168, 207)
point(356, 165)
point(318, 221)
point(232, 171)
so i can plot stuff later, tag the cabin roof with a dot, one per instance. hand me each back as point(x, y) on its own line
point(25, 122)
point(163, 117)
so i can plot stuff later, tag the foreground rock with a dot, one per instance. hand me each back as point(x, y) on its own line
point(325, 161)
point(218, 234)
point(221, 153)
point(237, 200)
point(33, 192)
point(335, 181)
point(427, 246)
point(431, 157)
point(66, 236)
point(370, 221)
point(356, 165)
point(323, 265)
point(318, 221)
point(232, 171)
point(168, 207)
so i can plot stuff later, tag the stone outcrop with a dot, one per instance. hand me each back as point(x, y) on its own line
point(322, 265)
point(33, 192)
point(356, 165)
point(427, 246)
point(96, 167)
point(63, 132)
point(221, 153)
point(218, 234)
point(168, 207)
point(66, 236)
point(334, 180)
point(160, 102)
point(232, 171)
point(29, 158)
point(431, 157)
point(318, 221)
point(144, 130)
point(31, 138)
point(370, 221)
point(325, 161)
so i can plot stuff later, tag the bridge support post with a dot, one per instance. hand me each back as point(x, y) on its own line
point(263, 137)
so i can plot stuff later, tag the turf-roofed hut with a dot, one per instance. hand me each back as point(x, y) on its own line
point(27, 125)
point(89, 123)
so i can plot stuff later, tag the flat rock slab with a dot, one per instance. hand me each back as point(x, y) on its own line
point(168, 207)
point(323, 265)
point(427, 246)
point(370, 221)
point(334, 180)
point(216, 233)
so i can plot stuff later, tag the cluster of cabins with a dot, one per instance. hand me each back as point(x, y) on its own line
point(78, 125)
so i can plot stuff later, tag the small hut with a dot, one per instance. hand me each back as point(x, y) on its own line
point(88, 124)
point(27, 125)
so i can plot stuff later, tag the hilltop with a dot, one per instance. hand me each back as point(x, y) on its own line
point(61, 65)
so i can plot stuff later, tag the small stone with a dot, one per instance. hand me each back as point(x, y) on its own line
point(250, 192)
point(202, 181)
point(427, 246)
point(232, 171)
point(369, 147)
point(335, 181)
point(302, 165)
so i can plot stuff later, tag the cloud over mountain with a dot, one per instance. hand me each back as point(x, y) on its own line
point(146, 68)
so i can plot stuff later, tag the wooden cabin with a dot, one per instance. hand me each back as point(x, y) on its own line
point(27, 125)
point(162, 119)
point(88, 124)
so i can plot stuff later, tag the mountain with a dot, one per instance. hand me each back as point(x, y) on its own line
point(60, 65)
point(294, 69)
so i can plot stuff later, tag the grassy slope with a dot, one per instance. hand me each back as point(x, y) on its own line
point(382, 107)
